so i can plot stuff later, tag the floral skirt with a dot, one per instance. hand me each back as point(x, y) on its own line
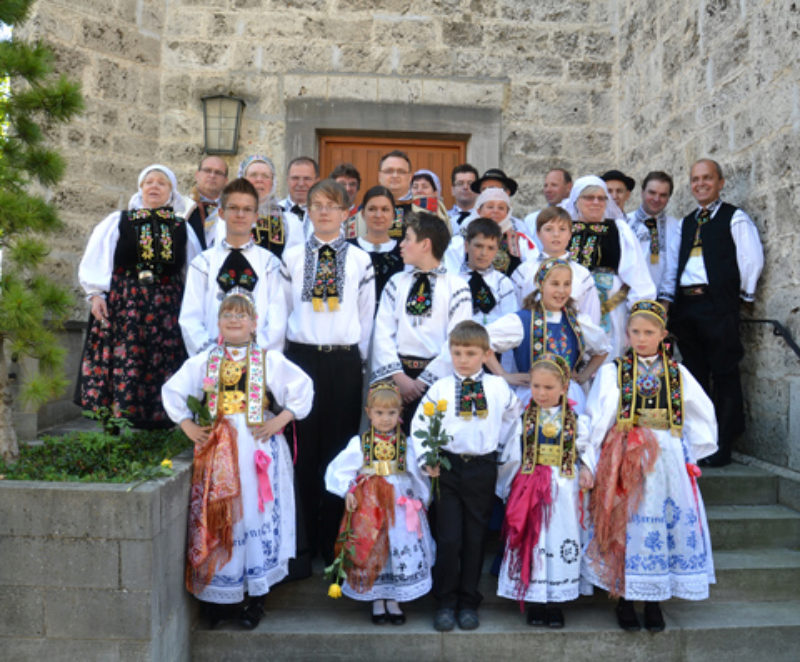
point(125, 363)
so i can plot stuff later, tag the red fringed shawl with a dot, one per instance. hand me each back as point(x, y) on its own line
point(215, 506)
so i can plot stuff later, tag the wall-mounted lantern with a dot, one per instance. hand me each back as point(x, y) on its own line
point(222, 119)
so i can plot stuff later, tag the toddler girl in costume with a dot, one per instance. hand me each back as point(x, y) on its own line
point(548, 322)
point(543, 516)
point(241, 515)
point(385, 494)
point(650, 538)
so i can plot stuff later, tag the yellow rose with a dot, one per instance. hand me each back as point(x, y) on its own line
point(429, 409)
point(166, 463)
point(334, 591)
point(441, 405)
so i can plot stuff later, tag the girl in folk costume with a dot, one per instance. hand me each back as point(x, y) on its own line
point(241, 516)
point(548, 323)
point(542, 527)
point(604, 244)
point(385, 494)
point(650, 538)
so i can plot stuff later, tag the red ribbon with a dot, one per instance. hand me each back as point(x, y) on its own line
point(262, 473)
point(694, 473)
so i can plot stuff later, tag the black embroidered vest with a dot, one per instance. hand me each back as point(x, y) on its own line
point(596, 245)
point(151, 240)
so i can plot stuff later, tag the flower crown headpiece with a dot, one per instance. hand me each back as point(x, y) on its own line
point(546, 267)
point(651, 308)
point(556, 360)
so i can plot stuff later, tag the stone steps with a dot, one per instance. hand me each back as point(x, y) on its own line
point(695, 631)
point(754, 606)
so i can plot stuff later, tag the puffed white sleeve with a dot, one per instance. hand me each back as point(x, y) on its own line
point(193, 245)
point(420, 482)
point(699, 419)
point(522, 278)
point(455, 254)
point(595, 340)
point(460, 310)
point(505, 333)
point(271, 298)
point(749, 253)
point(633, 270)
point(587, 300)
point(187, 381)
point(586, 452)
point(290, 386)
point(508, 297)
point(385, 359)
point(366, 305)
point(192, 316)
point(97, 263)
point(669, 277)
point(509, 449)
point(343, 469)
point(601, 406)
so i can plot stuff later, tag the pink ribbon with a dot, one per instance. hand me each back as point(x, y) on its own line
point(262, 473)
point(413, 506)
point(694, 473)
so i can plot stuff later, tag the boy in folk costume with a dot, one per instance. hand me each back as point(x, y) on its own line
point(482, 418)
point(418, 309)
point(554, 232)
point(331, 294)
point(241, 516)
point(542, 527)
point(649, 539)
point(234, 264)
point(386, 492)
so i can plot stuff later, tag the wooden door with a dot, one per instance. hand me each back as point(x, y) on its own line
point(440, 155)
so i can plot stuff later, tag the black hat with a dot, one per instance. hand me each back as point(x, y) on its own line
point(619, 176)
point(499, 175)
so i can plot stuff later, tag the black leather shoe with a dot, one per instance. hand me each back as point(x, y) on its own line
point(468, 619)
point(251, 615)
point(626, 616)
point(653, 618)
point(396, 619)
point(379, 619)
point(444, 620)
point(536, 614)
point(554, 617)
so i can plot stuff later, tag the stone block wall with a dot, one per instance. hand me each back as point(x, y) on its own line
point(92, 572)
point(722, 79)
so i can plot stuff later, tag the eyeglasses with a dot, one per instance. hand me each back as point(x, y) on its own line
point(239, 317)
point(213, 172)
point(593, 198)
point(394, 171)
point(326, 208)
point(240, 211)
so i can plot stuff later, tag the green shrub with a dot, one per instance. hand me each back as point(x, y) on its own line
point(98, 457)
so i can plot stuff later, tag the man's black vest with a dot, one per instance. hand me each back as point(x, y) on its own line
point(719, 255)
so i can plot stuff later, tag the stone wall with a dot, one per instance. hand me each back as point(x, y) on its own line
point(722, 79)
point(91, 572)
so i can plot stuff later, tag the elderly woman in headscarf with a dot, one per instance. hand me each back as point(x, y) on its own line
point(274, 229)
point(515, 247)
point(132, 273)
point(604, 243)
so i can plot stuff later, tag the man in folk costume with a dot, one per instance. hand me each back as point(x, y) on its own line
point(210, 179)
point(716, 261)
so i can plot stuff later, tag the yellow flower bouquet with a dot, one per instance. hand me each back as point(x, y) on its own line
point(434, 437)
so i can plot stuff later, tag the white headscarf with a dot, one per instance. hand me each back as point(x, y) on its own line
point(175, 200)
point(437, 185)
point(270, 206)
point(492, 193)
point(571, 204)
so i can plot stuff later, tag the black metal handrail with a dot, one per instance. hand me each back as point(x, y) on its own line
point(778, 329)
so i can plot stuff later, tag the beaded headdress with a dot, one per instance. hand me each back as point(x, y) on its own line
point(556, 360)
point(546, 267)
point(650, 308)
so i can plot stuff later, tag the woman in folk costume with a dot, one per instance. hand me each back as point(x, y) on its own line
point(604, 244)
point(273, 229)
point(241, 514)
point(650, 422)
point(385, 495)
point(542, 527)
point(548, 323)
point(515, 246)
point(133, 275)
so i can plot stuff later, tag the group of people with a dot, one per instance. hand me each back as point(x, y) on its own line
point(537, 350)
